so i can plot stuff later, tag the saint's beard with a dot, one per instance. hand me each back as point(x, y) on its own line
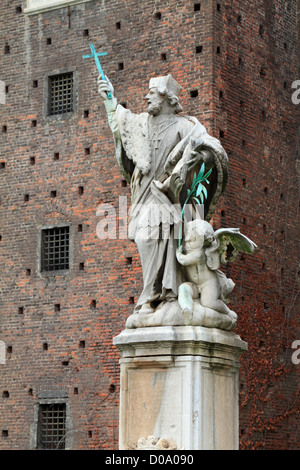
point(154, 108)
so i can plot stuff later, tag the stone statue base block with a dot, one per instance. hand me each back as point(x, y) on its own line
point(179, 388)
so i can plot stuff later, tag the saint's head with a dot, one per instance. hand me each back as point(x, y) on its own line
point(163, 96)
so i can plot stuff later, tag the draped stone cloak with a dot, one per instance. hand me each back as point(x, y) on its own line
point(144, 153)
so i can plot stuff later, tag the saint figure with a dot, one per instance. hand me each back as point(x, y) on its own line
point(158, 152)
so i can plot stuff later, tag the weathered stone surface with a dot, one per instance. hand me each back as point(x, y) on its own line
point(179, 384)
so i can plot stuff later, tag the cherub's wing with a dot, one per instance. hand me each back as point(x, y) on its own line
point(231, 242)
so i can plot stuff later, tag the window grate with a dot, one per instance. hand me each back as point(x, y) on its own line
point(61, 94)
point(55, 248)
point(52, 426)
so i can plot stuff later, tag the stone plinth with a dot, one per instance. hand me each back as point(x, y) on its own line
point(179, 384)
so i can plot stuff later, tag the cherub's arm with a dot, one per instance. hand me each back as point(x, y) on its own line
point(190, 258)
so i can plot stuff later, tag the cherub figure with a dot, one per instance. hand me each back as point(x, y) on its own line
point(205, 250)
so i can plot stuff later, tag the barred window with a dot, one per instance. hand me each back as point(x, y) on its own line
point(61, 96)
point(55, 244)
point(51, 426)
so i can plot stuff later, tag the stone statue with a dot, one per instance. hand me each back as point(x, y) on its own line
point(158, 153)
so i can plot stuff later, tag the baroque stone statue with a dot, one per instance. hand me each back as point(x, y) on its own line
point(159, 152)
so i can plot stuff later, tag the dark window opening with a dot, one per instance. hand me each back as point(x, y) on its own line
point(55, 248)
point(61, 94)
point(52, 426)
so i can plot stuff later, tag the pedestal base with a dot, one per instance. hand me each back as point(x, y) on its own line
point(180, 385)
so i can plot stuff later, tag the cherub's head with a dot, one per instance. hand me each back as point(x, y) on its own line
point(199, 234)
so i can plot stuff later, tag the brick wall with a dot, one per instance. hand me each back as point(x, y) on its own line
point(239, 60)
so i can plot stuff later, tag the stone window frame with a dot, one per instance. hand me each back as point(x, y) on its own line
point(51, 397)
point(34, 7)
point(58, 272)
point(63, 116)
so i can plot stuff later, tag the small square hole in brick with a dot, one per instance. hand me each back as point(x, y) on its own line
point(75, 391)
point(129, 260)
point(32, 160)
point(121, 66)
point(197, 6)
point(199, 49)
point(118, 25)
point(35, 84)
point(5, 394)
point(157, 15)
point(53, 194)
point(4, 433)
point(93, 303)
point(33, 123)
point(80, 190)
point(124, 184)
point(6, 49)
point(87, 151)
point(57, 307)
point(21, 310)
point(45, 346)
point(2, 165)
point(26, 197)
point(86, 113)
point(262, 72)
point(18, 9)
point(56, 156)
point(194, 93)
point(48, 41)
point(86, 33)
point(131, 300)
point(28, 272)
point(163, 56)
point(79, 228)
point(82, 343)
point(81, 266)
point(4, 128)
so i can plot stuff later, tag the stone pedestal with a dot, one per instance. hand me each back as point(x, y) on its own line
point(179, 384)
